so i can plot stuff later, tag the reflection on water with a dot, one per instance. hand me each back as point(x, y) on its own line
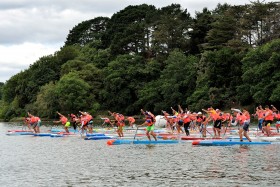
point(71, 161)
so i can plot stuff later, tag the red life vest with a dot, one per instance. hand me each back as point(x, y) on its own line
point(269, 115)
point(33, 119)
point(63, 120)
point(149, 122)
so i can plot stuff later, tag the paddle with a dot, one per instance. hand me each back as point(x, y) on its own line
point(209, 133)
point(225, 131)
point(135, 133)
point(23, 127)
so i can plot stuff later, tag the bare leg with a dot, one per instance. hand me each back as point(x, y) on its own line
point(240, 134)
point(204, 131)
point(148, 135)
point(214, 130)
point(66, 129)
point(121, 131)
point(219, 132)
point(246, 135)
point(90, 130)
point(154, 135)
point(268, 129)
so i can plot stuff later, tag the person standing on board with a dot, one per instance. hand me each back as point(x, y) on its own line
point(106, 121)
point(35, 122)
point(178, 122)
point(64, 121)
point(87, 122)
point(277, 117)
point(149, 122)
point(119, 121)
point(168, 122)
point(244, 121)
point(187, 122)
point(268, 118)
point(73, 120)
point(215, 116)
point(131, 121)
point(200, 119)
point(260, 115)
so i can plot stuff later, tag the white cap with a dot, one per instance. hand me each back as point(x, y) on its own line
point(199, 113)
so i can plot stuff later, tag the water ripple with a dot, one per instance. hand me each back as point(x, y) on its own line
point(71, 162)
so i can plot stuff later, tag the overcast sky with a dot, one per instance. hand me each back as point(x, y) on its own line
point(30, 29)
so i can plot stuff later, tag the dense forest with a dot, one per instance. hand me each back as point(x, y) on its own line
point(144, 57)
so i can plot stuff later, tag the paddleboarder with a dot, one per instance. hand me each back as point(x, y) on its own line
point(268, 118)
point(106, 121)
point(277, 117)
point(244, 121)
point(87, 122)
point(35, 122)
point(64, 121)
point(73, 120)
point(119, 122)
point(150, 127)
point(260, 115)
point(131, 121)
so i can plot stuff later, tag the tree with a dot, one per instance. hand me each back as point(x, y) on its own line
point(201, 25)
point(261, 72)
point(123, 78)
point(223, 29)
point(177, 80)
point(89, 31)
point(172, 30)
point(47, 101)
point(73, 94)
point(129, 30)
point(1, 88)
point(99, 57)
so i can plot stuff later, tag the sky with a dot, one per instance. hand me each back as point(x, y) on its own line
point(30, 29)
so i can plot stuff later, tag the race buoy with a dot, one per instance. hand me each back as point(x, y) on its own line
point(196, 142)
point(110, 142)
point(160, 121)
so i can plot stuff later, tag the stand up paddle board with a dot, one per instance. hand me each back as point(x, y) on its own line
point(146, 142)
point(227, 143)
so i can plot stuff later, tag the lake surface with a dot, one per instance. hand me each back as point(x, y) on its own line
point(72, 161)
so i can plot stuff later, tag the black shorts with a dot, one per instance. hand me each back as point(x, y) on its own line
point(266, 122)
point(246, 126)
point(33, 125)
point(218, 124)
point(180, 123)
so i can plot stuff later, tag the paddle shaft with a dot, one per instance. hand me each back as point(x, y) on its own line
point(135, 133)
point(225, 130)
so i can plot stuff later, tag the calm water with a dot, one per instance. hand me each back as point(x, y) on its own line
point(72, 161)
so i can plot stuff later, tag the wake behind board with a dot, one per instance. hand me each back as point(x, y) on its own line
point(19, 133)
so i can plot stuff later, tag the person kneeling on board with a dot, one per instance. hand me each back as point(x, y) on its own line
point(64, 121)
